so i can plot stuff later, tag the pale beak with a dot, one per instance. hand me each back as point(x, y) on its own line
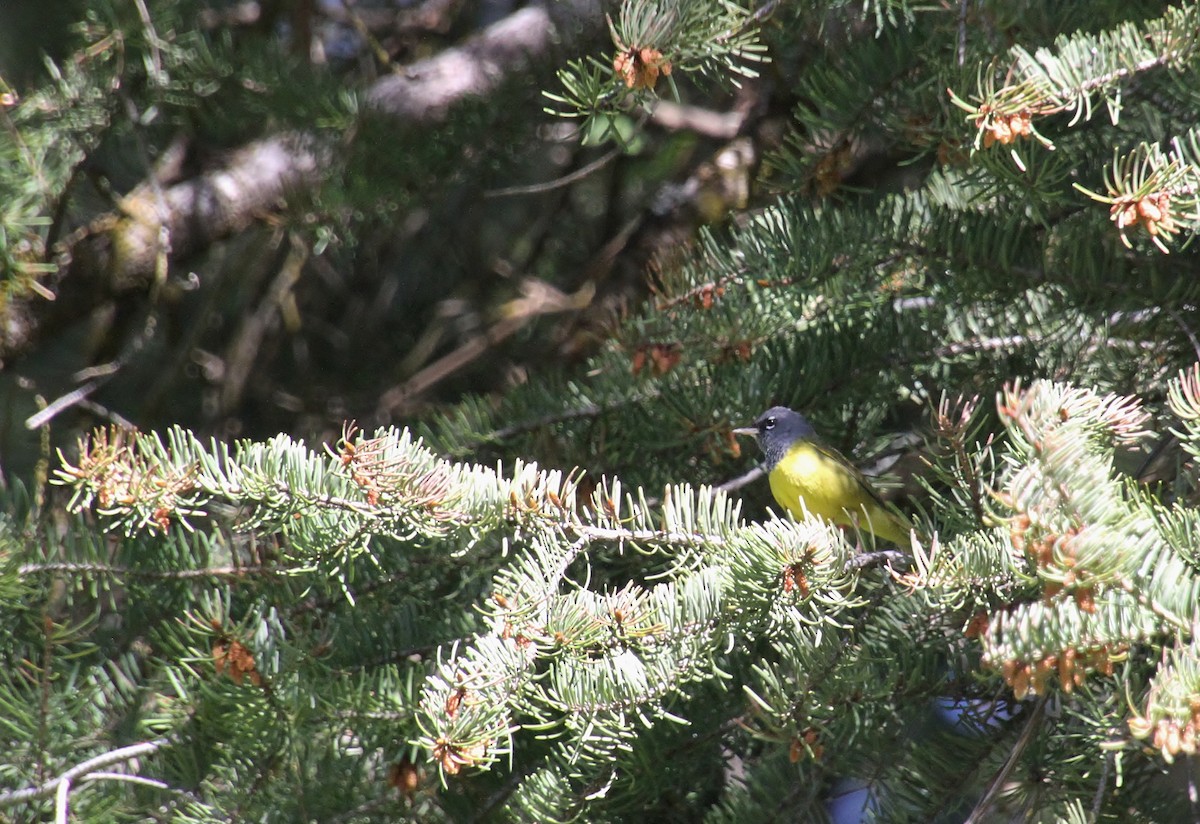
point(747, 430)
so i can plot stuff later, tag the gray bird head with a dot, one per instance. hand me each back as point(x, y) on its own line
point(777, 429)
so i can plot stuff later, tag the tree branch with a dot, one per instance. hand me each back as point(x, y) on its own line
point(7, 799)
point(427, 90)
point(115, 254)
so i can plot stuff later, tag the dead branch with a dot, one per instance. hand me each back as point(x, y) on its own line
point(116, 254)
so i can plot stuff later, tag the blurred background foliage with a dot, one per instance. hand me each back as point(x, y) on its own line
point(391, 276)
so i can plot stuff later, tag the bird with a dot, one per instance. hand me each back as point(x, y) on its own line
point(807, 476)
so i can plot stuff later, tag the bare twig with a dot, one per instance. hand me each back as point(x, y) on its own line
point(744, 479)
point(1032, 726)
point(57, 785)
point(962, 31)
point(364, 32)
point(243, 349)
point(75, 396)
point(172, 574)
point(680, 117)
point(892, 557)
point(565, 180)
point(538, 299)
point(1187, 330)
point(426, 91)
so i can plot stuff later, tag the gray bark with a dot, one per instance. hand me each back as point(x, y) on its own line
point(120, 253)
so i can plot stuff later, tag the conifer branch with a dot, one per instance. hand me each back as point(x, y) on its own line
point(82, 770)
point(376, 621)
point(85, 569)
point(1028, 732)
point(117, 253)
point(1154, 190)
point(1065, 78)
point(652, 39)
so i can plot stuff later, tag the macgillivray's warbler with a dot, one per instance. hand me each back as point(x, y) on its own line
point(809, 477)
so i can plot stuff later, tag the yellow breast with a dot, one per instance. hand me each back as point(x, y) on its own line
point(809, 479)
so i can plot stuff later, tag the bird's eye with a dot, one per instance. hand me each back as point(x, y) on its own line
point(769, 423)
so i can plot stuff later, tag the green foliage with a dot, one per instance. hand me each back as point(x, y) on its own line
point(1155, 189)
point(717, 39)
point(424, 624)
point(1149, 187)
point(563, 673)
point(46, 137)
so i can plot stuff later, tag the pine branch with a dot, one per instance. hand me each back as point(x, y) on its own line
point(1156, 190)
point(593, 666)
point(425, 92)
point(87, 569)
point(117, 253)
point(377, 622)
point(1065, 79)
point(61, 785)
point(652, 39)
